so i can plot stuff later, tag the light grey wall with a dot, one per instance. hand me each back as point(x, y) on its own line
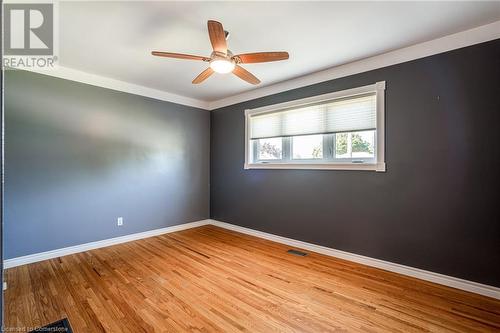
point(79, 156)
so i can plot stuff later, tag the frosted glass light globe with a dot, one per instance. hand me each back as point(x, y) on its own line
point(222, 65)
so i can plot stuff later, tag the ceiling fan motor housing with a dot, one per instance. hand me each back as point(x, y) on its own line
point(221, 55)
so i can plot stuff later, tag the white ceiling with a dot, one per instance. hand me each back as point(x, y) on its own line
point(114, 39)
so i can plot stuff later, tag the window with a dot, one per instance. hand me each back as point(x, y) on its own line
point(307, 147)
point(269, 149)
point(343, 130)
point(355, 145)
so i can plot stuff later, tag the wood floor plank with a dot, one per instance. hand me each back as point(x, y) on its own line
point(210, 279)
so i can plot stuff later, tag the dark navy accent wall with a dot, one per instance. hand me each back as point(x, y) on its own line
point(436, 207)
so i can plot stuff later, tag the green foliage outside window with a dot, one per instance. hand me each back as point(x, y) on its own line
point(358, 144)
point(318, 152)
point(270, 150)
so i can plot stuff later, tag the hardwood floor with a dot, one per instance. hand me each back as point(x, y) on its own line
point(214, 280)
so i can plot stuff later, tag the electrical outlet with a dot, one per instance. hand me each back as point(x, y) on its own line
point(4, 285)
point(119, 221)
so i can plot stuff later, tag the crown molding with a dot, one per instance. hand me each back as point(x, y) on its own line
point(451, 42)
point(71, 74)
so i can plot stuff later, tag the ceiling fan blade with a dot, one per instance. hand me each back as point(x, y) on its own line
point(245, 75)
point(217, 36)
point(249, 58)
point(179, 56)
point(203, 75)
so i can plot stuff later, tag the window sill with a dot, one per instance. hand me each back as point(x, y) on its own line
point(380, 167)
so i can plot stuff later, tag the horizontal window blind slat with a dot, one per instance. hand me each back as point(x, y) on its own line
point(350, 114)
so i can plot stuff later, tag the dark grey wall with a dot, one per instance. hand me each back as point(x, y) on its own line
point(79, 156)
point(435, 208)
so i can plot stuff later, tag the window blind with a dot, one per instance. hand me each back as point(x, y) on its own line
point(355, 113)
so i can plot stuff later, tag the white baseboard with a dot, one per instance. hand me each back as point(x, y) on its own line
point(9, 263)
point(449, 281)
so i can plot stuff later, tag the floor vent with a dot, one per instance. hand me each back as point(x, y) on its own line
point(297, 253)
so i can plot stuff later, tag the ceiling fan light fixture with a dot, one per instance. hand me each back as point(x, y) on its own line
point(222, 60)
point(222, 65)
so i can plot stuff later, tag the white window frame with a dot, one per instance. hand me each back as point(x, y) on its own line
point(379, 165)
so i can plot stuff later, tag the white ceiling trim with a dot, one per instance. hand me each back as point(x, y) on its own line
point(105, 82)
point(462, 39)
point(465, 38)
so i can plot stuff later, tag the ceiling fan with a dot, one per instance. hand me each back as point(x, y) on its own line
point(222, 60)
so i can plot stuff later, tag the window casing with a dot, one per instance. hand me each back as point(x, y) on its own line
point(343, 130)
